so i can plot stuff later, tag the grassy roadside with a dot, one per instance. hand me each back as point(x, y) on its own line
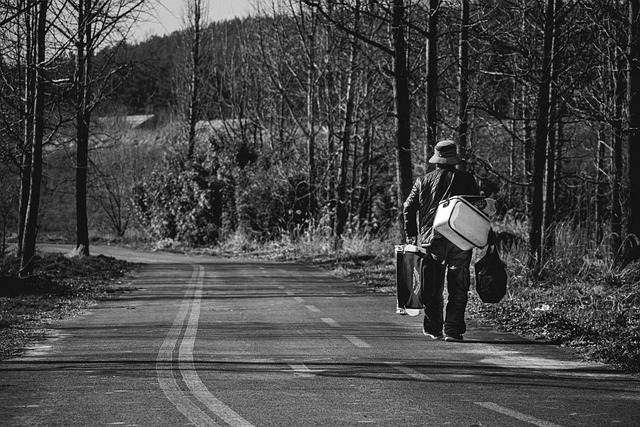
point(597, 315)
point(59, 287)
point(596, 312)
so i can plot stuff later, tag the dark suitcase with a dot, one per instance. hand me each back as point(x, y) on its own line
point(410, 260)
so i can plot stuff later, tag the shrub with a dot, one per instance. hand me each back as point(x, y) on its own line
point(182, 203)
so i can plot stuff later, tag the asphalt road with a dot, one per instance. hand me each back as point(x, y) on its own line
point(217, 342)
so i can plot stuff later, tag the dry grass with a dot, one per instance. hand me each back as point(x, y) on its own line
point(58, 288)
point(581, 301)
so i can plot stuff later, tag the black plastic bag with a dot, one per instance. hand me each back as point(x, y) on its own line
point(491, 276)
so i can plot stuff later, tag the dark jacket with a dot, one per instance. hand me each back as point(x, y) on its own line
point(426, 194)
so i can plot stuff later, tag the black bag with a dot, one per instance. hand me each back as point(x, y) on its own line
point(491, 275)
point(410, 261)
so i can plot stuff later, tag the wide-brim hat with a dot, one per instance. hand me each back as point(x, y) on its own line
point(445, 153)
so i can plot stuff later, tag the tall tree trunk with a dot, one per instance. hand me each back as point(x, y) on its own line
point(403, 108)
point(528, 153)
point(364, 213)
point(311, 99)
point(29, 96)
point(550, 186)
point(463, 80)
point(633, 220)
point(559, 156)
point(31, 223)
point(332, 177)
point(341, 194)
point(555, 120)
point(194, 78)
point(513, 143)
point(601, 185)
point(432, 79)
point(364, 195)
point(542, 130)
point(616, 205)
point(527, 128)
point(355, 162)
point(83, 116)
point(25, 182)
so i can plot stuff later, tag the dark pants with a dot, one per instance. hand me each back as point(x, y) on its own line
point(449, 259)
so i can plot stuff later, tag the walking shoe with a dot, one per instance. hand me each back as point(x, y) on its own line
point(436, 336)
point(453, 337)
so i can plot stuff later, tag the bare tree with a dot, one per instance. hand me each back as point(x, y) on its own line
point(196, 21)
point(463, 78)
point(617, 130)
point(28, 20)
point(403, 104)
point(432, 77)
point(542, 133)
point(97, 23)
point(119, 165)
point(396, 19)
point(31, 219)
point(633, 221)
point(613, 40)
point(309, 27)
point(16, 94)
point(295, 52)
point(346, 134)
point(555, 120)
point(84, 59)
point(190, 70)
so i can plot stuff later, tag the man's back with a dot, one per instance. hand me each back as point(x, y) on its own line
point(427, 193)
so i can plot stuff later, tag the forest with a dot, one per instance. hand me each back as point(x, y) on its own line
point(316, 116)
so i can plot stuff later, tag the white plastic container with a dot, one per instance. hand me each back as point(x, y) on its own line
point(462, 223)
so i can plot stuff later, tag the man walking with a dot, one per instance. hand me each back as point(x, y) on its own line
point(427, 192)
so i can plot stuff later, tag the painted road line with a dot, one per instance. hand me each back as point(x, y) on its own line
point(313, 308)
point(517, 415)
point(301, 370)
point(164, 369)
point(357, 341)
point(352, 338)
point(329, 321)
point(190, 307)
point(410, 372)
point(189, 373)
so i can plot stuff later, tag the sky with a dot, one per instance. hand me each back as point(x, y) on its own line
point(167, 15)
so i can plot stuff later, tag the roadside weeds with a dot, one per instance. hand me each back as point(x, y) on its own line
point(60, 287)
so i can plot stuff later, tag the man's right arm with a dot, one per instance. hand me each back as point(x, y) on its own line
point(410, 209)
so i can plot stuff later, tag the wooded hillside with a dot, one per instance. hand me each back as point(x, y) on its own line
point(320, 115)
